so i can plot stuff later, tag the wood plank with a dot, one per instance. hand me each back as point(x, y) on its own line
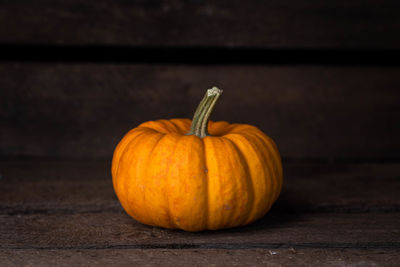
point(284, 23)
point(118, 230)
point(79, 187)
point(82, 110)
point(166, 257)
point(65, 213)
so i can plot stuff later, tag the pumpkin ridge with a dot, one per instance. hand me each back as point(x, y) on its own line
point(150, 129)
point(169, 126)
point(161, 126)
point(148, 162)
point(210, 147)
point(127, 153)
point(249, 180)
point(122, 155)
point(260, 200)
point(183, 125)
point(143, 173)
point(274, 175)
point(228, 219)
point(207, 195)
point(186, 187)
point(121, 148)
point(219, 128)
point(275, 161)
point(269, 175)
point(171, 218)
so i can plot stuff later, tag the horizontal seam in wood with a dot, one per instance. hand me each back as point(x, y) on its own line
point(198, 55)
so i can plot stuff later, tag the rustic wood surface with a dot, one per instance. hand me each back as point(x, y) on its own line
point(284, 23)
point(82, 110)
point(65, 213)
point(201, 257)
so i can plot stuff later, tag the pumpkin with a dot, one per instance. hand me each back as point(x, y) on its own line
point(196, 175)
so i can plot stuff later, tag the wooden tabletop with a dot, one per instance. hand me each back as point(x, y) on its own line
point(65, 213)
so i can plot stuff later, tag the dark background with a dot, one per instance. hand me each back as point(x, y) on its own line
point(320, 77)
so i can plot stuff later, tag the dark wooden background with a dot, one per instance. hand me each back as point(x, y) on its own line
point(322, 78)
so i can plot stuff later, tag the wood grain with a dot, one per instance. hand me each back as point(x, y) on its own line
point(65, 213)
point(118, 230)
point(196, 257)
point(282, 24)
point(83, 110)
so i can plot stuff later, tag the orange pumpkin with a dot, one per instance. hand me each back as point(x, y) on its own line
point(196, 175)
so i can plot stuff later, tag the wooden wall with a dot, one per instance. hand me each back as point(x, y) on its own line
point(322, 78)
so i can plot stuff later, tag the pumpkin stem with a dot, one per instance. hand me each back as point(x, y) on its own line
point(203, 112)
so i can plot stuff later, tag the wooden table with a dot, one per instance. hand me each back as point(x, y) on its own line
point(65, 213)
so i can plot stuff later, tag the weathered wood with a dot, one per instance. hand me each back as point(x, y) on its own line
point(83, 110)
point(74, 187)
point(284, 23)
point(193, 257)
point(118, 230)
point(65, 213)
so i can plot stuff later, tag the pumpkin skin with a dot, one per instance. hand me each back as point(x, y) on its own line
point(164, 177)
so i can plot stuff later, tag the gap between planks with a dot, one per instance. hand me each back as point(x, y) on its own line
point(192, 55)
